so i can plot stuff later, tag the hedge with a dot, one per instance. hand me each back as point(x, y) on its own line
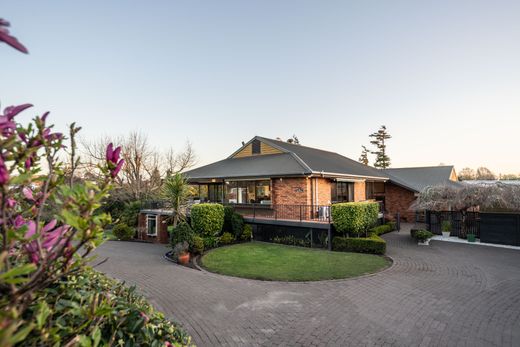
point(373, 244)
point(354, 217)
point(382, 229)
point(123, 232)
point(207, 219)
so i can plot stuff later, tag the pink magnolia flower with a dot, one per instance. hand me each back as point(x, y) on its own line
point(7, 125)
point(112, 157)
point(144, 317)
point(10, 40)
point(27, 192)
point(50, 237)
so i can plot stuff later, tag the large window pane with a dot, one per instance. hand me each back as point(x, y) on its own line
point(342, 192)
point(263, 192)
point(231, 195)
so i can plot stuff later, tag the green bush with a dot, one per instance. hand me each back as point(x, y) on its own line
point(197, 246)
point(247, 234)
point(422, 235)
point(123, 231)
point(228, 215)
point(237, 224)
point(207, 219)
point(354, 217)
point(392, 225)
point(210, 242)
point(182, 233)
point(381, 229)
point(227, 238)
point(373, 244)
point(130, 213)
point(91, 307)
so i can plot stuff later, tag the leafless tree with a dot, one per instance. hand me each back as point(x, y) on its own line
point(466, 174)
point(180, 161)
point(483, 173)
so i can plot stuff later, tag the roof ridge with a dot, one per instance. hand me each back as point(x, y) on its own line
point(420, 167)
point(294, 144)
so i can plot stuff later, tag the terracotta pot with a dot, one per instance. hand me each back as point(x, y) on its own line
point(184, 258)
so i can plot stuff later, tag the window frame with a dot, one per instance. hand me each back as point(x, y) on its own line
point(148, 217)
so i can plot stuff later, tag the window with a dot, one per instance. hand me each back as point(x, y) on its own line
point(215, 192)
point(151, 225)
point(342, 192)
point(373, 189)
point(256, 147)
point(248, 192)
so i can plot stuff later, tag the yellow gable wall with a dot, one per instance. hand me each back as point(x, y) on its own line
point(453, 175)
point(247, 151)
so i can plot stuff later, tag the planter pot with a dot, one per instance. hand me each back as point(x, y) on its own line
point(471, 237)
point(184, 258)
point(446, 234)
point(424, 243)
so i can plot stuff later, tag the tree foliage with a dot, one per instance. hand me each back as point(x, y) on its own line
point(363, 158)
point(379, 141)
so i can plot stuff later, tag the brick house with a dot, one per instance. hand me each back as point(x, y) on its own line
point(290, 181)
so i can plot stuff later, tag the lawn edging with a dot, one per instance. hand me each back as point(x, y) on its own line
point(390, 263)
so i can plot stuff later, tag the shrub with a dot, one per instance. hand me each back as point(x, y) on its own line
point(423, 235)
point(227, 238)
point(373, 244)
point(207, 219)
point(197, 245)
point(65, 311)
point(123, 231)
point(247, 234)
point(210, 242)
point(228, 215)
point(446, 225)
point(392, 225)
point(237, 224)
point(381, 229)
point(130, 213)
point(182, 233)
point(291, 240)
point(354, 217)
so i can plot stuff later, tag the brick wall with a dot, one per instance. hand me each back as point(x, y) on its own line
point(398, 199)
point(323, 189)
point(359, 191)
point(162, 231)
point(291, 191)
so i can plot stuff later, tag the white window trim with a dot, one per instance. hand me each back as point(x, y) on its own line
point(156, 224)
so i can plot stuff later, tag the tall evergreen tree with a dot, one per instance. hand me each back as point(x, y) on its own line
point(363, 158)
point(379, 138)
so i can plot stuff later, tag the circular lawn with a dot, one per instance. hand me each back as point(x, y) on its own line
point(267, 261)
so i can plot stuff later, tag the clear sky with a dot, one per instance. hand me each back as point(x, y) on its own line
point(443, 76)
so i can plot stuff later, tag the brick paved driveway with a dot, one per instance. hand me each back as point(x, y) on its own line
point(442, 295)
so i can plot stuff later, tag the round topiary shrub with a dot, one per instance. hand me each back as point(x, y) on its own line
point(207, 219)
point(182, 233)
point(247, 234)
point(226, 239)
point(197, 246)
point(123, 231)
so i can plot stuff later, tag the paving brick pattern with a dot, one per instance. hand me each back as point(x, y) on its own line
point(441, 295)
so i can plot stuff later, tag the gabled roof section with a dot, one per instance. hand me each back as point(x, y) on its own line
point(418, 178)
point(285, 159)
point(274, 165)
point(329, 163)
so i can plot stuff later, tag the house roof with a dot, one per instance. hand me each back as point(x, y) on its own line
point(418, 178)
point(294, 160)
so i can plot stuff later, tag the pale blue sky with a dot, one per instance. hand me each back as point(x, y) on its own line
point(444, 76)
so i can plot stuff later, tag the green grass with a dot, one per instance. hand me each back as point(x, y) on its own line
point(265, 261)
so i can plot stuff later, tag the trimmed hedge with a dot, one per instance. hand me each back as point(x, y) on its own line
point(381, 229)
point(247, 235)
point(207, 219)
point(227, 238)
point(123, 232)
point(198, 245)
point(373, 244)
point(354, 217)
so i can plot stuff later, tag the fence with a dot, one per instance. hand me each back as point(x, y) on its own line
point(294, 236)
point(314, 213)
point(461, 223)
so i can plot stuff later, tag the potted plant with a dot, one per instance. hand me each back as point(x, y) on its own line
point(180, 251)
point(471, 237)
point(446, 229)
point(423, 237)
